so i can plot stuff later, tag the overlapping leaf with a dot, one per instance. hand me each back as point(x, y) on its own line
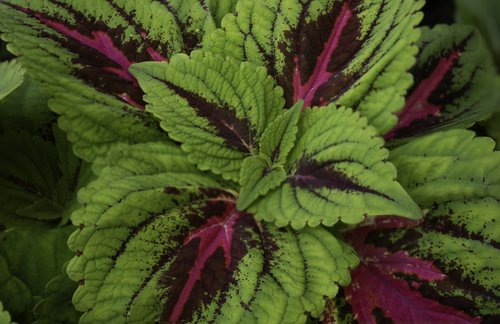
point(11, 77)
point(30, 257)
point(159, 240)
point(486, 17)
point(443, 269)
point(56, 306)
point(220, 8)
point(455, 83)
point(215, 107)
point(82, 50)
point(26, 109)
point(38, 178)
point(225, 112)
point(336, 171)
point(353, 53)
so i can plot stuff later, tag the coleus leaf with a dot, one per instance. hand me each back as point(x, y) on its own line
point(11, 77)
point(81, 51)
point(337, 170)
point(217, 108)
point(352, 53)
point(185, 253)
point(444, 268)
point(224, 112)
point(30, 257)
point(486, 18)
point(491, 126)
point(260, 174)
point(56, 306)
point(38, 178)
point(455, 83)
point(220, 8)
point(25, 109)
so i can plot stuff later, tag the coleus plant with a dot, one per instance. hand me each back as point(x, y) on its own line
point(254, 176)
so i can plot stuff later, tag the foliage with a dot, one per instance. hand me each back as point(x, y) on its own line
point(246, 161)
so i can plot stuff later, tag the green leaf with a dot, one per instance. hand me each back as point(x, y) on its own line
point(217, 108)
point(183, 253)
point(492, 128)
point(279, 137)
point(453, 164)
point(257, 178)
point(29, 258)
point(57, 307)
point(456, 177)
point(455, 83)
point(351, 53)
point(26, 109)
point(220, 8)
point(260, 174)
point(38, 178)
point(81, 52)
point(486, 17)
point(11, 77)
point(337, 170)
point(4, 315)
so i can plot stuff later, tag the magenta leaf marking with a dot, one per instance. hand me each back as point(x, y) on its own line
point(375, 285)
point(417, 105)
point(216, 233)
point(103, 44)
point(99, 41)
point(320, 74)
point(155, 55)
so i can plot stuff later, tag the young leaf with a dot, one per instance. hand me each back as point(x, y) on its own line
point(11, 77)
point(184, 253)
point(258, 176)
point(216, 107)
point(279, 137)
point(81, 51)
point(444, 268)
point(353, 53)
point(336, 171)
point(30, 257)
point(455, 83)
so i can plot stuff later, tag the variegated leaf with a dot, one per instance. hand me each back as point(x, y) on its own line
point(353, 53)
point(455, 83)
point(216, 107)
point(160, 241)
point(337, 171)
point(444, 268)
point(81, 51)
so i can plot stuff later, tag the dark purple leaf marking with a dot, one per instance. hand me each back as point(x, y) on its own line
point(209, 255)
point(418, 105)
point(312, 175)
point(319, 51)
point(237, 133)
point(320, 74)
point(101, 50)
